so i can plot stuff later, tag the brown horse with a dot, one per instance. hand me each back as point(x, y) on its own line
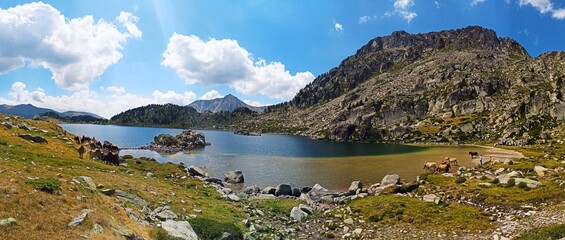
point(81, 150)
point(95, 154)
point(444, 167)
point(453, 161)
point(430, 166)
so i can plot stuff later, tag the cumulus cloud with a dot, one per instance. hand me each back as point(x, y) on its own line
point(338, 27)
point(213, 94)
point(105, 105)
point(403, 8)
point(226, 62)
point(253, 103)
point(545, 6)
point(364, 19)
point(116, 90)
point(76, 50)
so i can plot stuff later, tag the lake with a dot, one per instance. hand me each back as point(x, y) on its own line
point(271, 159)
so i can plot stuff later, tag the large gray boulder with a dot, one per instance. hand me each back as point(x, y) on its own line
point(196, 171)
point(234, 177)
point(391, 179)
point(179, 229)
point(540, 171)
point(80, 218)
point(34, 138)
point(317, 189)
point(130, 197)
point(268, 190)
point(503, 178)
point(529, 182)
point(297, 214)
point(354, 186)
point(252, 190)
point(87, 181)
point(7, 125)
point(283, 190)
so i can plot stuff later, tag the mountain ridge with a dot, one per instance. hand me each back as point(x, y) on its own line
point(228, 103)
point(29, 110)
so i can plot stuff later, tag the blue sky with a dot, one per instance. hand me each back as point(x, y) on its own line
point(107, 56)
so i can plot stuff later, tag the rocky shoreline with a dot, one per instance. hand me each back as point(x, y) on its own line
point(187, 140)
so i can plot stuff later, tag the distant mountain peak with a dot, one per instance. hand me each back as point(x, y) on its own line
point(29, 110)
point(228, 103)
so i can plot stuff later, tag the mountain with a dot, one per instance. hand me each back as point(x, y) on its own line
point(455, 85)
point(228, 103)
point(28, 111)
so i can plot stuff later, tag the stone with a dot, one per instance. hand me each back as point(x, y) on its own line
point(234, 177)
point(252, 190)
point(283, 190)
point(97, 229)
point(391, 179)
point(34, 138)
point(503, 178)
point(80, 218)
point(264, 197)
point(179, 229)
point(529, 182)
point(305, 208)
point(317, 189)
point(7, 222)
point(150, 175)
point(214, 180)
point(348, 221)
point(499, 171)
point(540, 171)
point(7, 125)
point(431, 198)
point(485, 184)
point(88, 182)
point(164, 213)
point(23, 126)
point(227, 236)
point(234, 197)
point(130, 197)
point(357, 231)
point(297, 214)
point(108, 192)
point(296, 192)
point(354, 186)
point(196, 171)
point(306, 198)
point(305, 189)
point(268, 190)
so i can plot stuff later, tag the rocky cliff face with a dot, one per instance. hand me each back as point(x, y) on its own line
point(451, 85)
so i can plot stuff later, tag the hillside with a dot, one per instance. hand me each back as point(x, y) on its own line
point(228, 103)
point(449, 86)
point(28, 111)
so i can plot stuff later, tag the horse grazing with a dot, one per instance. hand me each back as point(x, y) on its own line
point(474, 155)
point(444, 167)
point(81, 151)
point(430, 166)
point(95, 154)
point(77, 139)
point(453, 161)
point(112, 158)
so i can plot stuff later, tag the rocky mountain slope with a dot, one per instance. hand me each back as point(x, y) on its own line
point(28, 111)
point(453, 85)
point(228, 103)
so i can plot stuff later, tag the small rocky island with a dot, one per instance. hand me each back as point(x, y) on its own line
point(246, 133)
point(187, 140)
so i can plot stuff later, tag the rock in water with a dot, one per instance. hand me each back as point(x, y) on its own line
point(297, 214)
point(80, 218)
point(187, 140)
point(391, 179)
point(234, 177)
point(252, 190)
point(179, 229)
point(196, 171)
point(283, 190)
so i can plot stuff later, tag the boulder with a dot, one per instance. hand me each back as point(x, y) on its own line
point(88, 182)
point(283, 190)
point(296, 192)
point(179, 229)
point(391, 179)
point(234, 177)
point(268, 190)
point(503, 178)
point(252, 190)
point(317, 189)
point(196, 171)
point(7, 125)
point(485, 184)
point(305, 208)
point(34, 138)
point(431, 198)
point(305, 189)
point(529, 182)
point(7, 222)
point(130, 197)
point(23, 126)
point(214, 180)
point(234, 198)
point(80, 218)
point(163, 214)
point(97, 229)
point(540, 171)
point(297, 214)
point(354, 186)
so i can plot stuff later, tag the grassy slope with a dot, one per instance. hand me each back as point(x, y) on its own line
point(42, 215)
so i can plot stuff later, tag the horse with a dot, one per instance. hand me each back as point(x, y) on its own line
point(81, 149)
point(430, 166)
point(453, 161)
point(77, 139)
point(443, 167)
point(112, 158)
point(95, 154)
point(474, 155)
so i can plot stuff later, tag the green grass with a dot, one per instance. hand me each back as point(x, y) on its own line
point(208, 229)
point(277, 206)
point(544, 233)
point(393, 210)
point(48, 185)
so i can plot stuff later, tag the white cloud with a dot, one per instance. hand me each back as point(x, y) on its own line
point(225, 62)
point(559, 13)
point(253, 103)
point(213, 94)
point(476, 2)
point(173, 97)
point(338, 27)
point(116, 90)
point(543, 6)
point(403, 8)
point(105, 105)
point(76, 50)
point(364, 19)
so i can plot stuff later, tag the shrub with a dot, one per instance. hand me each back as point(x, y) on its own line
point(460, 180)
point(511, 182)
point(48, 185)
point(495, 181)
point(127, 157)
point(161, 234)
point(212, 229)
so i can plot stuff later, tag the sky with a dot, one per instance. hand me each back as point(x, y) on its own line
point(108, 56)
